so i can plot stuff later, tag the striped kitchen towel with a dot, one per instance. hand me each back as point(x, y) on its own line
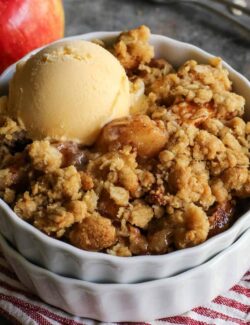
point(21, 307)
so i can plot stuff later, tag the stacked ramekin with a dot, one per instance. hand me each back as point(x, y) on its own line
point(111, 288)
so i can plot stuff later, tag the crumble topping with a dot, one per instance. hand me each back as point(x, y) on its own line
point(166, 178)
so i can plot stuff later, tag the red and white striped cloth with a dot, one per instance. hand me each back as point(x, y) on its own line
point(22, 307)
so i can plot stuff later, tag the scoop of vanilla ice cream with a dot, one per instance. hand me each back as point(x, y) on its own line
point(68, 91)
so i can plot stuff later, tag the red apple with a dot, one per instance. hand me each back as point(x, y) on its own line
point(26, 25)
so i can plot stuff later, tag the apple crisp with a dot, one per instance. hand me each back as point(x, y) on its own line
point(168, 177)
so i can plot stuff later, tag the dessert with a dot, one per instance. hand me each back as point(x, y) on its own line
point(69, 91)
point(167, 177)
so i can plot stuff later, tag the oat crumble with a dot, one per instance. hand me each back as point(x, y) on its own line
point(166, 178)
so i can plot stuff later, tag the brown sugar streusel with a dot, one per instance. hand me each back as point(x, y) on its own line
point(168, 177)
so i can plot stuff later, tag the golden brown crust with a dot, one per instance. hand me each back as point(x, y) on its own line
point(44, 157)
point(132, 47)
point(94, 233)
point(192, 226)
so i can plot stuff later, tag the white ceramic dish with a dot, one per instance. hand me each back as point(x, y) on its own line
point(67, 260)
point(135, 302)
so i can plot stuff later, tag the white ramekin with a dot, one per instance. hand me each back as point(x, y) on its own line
point(135, 302)
point(67, 260)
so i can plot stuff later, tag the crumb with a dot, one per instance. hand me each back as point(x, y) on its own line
point(94, 233)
